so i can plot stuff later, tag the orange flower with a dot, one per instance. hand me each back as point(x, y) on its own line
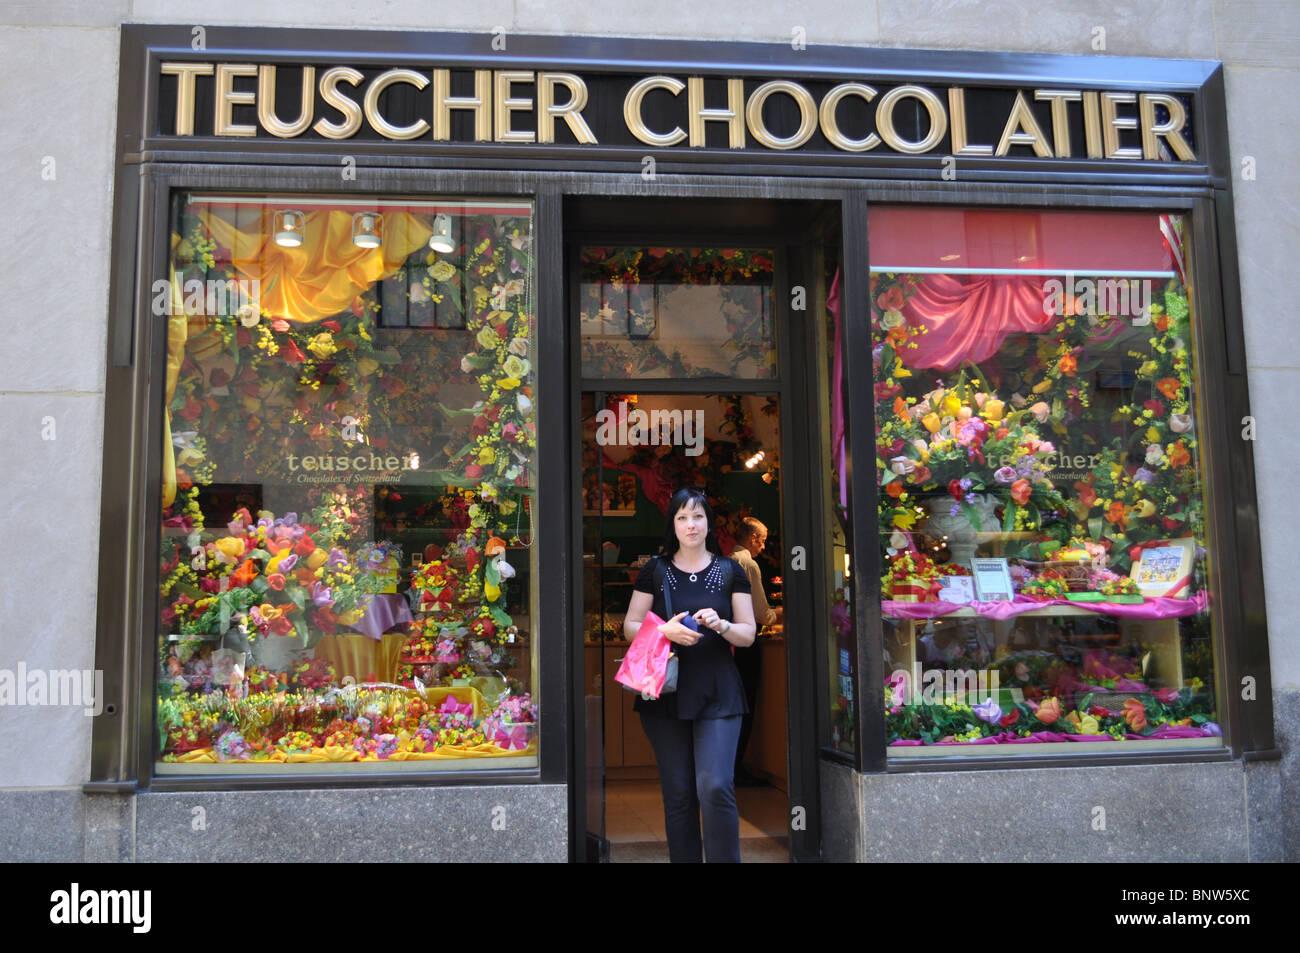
point(1178, 455)
point(1087, 495)
point(1020, 491)
point(1135, 714)
point(894, 488)
point(1161, 322)
point(1171, 387)
point(1068, 365)
point(244, 575)
point(1049, 711)
point(900, 408)
point(891, 300)
point(897, 336)
point(1115, 516)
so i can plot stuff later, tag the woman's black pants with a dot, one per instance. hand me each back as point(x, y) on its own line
point(696, 769)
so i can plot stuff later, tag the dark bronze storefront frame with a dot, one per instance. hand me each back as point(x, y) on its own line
point(150, 166)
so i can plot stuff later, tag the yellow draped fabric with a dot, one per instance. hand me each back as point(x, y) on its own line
point(312, 282)
point(339, 754)
point(361, 656)
point(322, 276)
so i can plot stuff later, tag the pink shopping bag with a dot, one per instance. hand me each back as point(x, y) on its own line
point(645, 667)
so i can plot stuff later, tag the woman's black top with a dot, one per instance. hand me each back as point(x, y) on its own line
point(708, 682)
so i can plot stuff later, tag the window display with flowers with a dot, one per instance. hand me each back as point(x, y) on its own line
point(1037, 402)
point(348, 486)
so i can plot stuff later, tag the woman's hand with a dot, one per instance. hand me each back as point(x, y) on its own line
point(674, 631)
point(710, 619)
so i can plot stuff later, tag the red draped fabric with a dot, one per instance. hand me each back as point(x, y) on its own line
point(968, 317)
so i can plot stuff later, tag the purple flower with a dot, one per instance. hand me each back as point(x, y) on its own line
point(515, 267)
point(1212, 729)
point(1025, 466)
point(321, 595)
point(288, 562)
point(337, 560)
point(1004, 475)
point(954, 509)
point(1144, 475)
point(965, 483)
point(989, 712)
point(970, 497)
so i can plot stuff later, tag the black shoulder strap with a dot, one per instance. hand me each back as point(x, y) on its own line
point(661, 583)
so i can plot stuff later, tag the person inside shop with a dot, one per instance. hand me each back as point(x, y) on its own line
point(694, 730)
point(749, 543)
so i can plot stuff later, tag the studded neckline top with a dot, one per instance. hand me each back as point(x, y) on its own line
point(708, 683)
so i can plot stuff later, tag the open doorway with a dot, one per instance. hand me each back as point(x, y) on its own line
point(729, 445)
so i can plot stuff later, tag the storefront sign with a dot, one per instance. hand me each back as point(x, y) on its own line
point(520, 106)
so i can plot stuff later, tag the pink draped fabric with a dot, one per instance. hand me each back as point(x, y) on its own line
point(969, 316)
point(1163, 608)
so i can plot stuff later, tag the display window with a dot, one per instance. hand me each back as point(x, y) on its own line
point(658, 313)
point(1042, 505)
point(349, 480)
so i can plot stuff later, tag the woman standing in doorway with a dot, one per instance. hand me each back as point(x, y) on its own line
point(694, 731)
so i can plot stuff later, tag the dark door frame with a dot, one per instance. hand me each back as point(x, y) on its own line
point(800, 502)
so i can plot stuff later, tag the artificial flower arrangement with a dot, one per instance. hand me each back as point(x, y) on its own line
point(1048, 584)
point(967, 442)
point(513, 722)
point(911, 577)
point(434, 588)
point(382, 559)
point(358, 722)
point(1167, 713)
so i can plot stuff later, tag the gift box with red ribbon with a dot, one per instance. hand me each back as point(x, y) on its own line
point(914, 589)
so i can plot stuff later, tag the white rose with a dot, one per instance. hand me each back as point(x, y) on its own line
point(1155, 453)
point(891, 319)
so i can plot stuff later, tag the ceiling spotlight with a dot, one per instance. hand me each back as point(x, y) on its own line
point(289, 227)
point(367, 230)
point(441, 239)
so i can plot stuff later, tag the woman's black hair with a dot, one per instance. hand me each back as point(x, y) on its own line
point(680, 500)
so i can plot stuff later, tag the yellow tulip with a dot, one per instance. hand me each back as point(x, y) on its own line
point(932, 422)
point(1042, 387)
point(993, 409)
point(1088, 726)
point(317, 558)
point(951, 405)
point(1153, 435)
point(491, 591)
point(231, 547)
point(1144, 508)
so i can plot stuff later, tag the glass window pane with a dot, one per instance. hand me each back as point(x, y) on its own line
point(1042, 514)
point(676, 312)
point(349, 477)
